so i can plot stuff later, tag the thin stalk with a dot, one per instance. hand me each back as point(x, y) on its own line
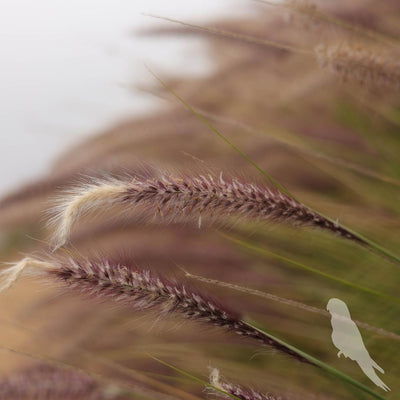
point(288, 302)
point(233, 35)
point(364, 241)
point(288, 261)
point(193, 377)
point(303, 148)
point(325, 367)
point(133, 374)
point(323, 16)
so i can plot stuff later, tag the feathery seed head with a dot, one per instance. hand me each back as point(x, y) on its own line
point(358, 63)
point(190, 197)
point(141, 290)
point(236, 390)
point(47, 382)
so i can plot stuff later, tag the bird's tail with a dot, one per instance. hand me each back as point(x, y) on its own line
point(368, 369)
point(376, 366)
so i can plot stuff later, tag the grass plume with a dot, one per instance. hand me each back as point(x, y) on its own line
point(236, 390)
point(358, 63)
point(192, 196)
point(47, 382)
point(142, 290)
point(370, 245)
point(314, 12)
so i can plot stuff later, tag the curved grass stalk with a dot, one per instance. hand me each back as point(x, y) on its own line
point(141, 290)
point(233, 35)
point(302, 148)
point(145, 379)
point(221, 136)
point(363, 241)
point(325, 17)
point(194, 378)
point(262, 251)
point(188, 197)
point(236, 390)
point(354, 62)
point(325, 367)
point(379, 111)
point(357, 63)
point(289, 302)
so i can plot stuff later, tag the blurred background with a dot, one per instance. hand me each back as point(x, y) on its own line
point(69, 70)
point(310, 95)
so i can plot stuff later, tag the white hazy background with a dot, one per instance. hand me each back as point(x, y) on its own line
point(67, 69)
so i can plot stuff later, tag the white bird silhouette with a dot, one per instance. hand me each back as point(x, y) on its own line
point(347, 339)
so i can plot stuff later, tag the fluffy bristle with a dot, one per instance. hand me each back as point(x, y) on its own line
point(10, 275)
point(81, 200)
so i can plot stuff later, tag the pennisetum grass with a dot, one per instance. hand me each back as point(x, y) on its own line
point(326, 367)
point(188, 197)
point(303, 147)
point(311, 10)
point(350, 61)
point(358, 63)
point(212, 197)
point(291, 303)
point(142, 290)
point(353, 235)
point(47, 382)
point(288, 261)
point(236, 390)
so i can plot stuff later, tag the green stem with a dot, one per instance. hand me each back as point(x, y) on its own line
point(263, 251)
point(194, 378)
point(322, 365)
point(369, 244)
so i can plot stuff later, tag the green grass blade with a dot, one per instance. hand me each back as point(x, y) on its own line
point(193, 378)
point(333, 371)
point(313, 360)
point(369, 244)
point(288, 261)
point(325, 17)
point(302, 147)
point(288, 302)
point(234, 35)
point(221, 136)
